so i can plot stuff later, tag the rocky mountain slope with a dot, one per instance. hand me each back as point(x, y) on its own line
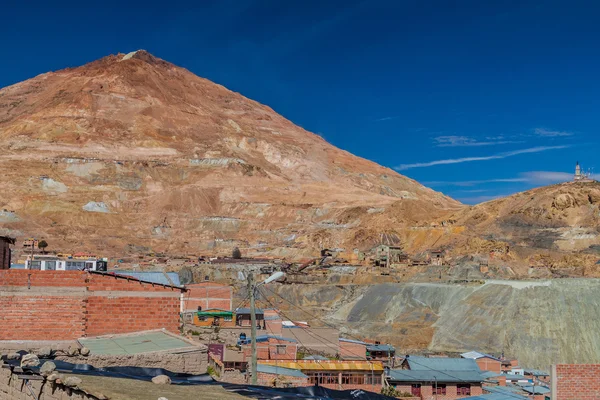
point(540, 322)
point(131, 153)
point(554, 226)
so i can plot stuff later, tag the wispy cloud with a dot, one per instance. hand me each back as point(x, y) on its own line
point(497, 156)
point(386, 118)
point(543, 132)
point(465, 141)
point(479, 199)
point(531, 177)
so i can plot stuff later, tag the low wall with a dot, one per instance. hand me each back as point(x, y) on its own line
point(13, 388)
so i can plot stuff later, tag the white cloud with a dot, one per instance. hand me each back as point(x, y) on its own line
point(465, 141)
point(543, 132)
point(385, 119)
point(498, 156)
point(531, 177)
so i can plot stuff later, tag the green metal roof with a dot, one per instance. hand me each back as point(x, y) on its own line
point(134, 344)
point(215, 313)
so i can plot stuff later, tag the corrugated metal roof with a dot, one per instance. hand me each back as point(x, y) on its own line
point(316, 357)
point(498, 396)
point(153, 277)
point(477, 355)
point(245, 310)
point(536, 372)
point(277, 370)
point(406, 375)
point(380, 347)
point(327, 365)
point(145, 342)
point(264, 338)
point(442, 364)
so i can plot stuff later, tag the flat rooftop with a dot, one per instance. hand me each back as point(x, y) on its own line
point(137, 343)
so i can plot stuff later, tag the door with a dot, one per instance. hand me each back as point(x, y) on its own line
point(415, 389)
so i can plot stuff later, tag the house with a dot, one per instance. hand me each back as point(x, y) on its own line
point(352, 349)
point(214, 317)
point(436, 257)
point(5, 251)
point(323, 341)
point(51, 262)
point(225, 358)
point(386, 256)
point(380, 352)
point(424, 377)
point(486, 362)
point(338, 375)
point(273, 321)
point(208, 295)
point(243, 318)
point(270, 347)
point(275, 376)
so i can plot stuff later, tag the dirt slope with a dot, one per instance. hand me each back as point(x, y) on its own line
point(131, 153)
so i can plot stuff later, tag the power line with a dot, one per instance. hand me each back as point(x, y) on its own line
point(516, 396)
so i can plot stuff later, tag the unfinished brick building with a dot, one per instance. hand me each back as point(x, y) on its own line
point(65, 305)
point(5, 251)
point(208, 295)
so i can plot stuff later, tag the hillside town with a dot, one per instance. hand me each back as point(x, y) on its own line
point(234, 332)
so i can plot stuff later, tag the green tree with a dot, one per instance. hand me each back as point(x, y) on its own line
point(42, 245)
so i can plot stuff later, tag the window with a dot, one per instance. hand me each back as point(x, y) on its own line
point(323, 378)
point(353, 379)
point(463, 388)
point(75, 265)
point(415, 389)
point(281, 349)
point(227, 318)
point(372, 379)
point(89, 265)
point(201, 317)
point(35, 265)
point(439, 389)
point(50, 265)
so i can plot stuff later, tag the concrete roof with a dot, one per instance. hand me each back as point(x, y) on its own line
point(264, 338)
point(442, 364)
point(405, 375)
point(276, 370)
point(245, 310)
point(137, 343)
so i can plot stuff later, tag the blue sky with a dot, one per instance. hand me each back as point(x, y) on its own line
point(477, 99)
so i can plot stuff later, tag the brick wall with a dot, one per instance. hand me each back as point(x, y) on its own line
point(269, 350)
point(4, 253)
point(352, 351)
point(487, 364)
point(427, 391)
point(64, 305)
point(208, 295)
point(575, 381)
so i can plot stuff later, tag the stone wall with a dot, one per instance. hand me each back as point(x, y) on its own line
point(13, 388)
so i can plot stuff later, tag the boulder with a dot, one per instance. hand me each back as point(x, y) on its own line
point(73, 350)
point(161, 380)
point(72, 381)
point(47, 368)
point(84, 351)
point(55, 376)
point(29, 361)
point(13, 356)
point(44, 352)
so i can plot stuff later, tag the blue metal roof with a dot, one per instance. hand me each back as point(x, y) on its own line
point(153, 277)
point(316, 357)
point(442, 364)
point(245, 310)
point(275, 370)
point(264, 338)
point(380, 347)
point(406, 375)
point(498, 396)
point(536, 372)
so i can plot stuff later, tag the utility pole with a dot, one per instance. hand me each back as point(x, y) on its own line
point(254, 365)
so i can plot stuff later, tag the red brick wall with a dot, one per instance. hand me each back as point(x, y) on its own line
point(576, 381)
point(487, 364)
point(352, 351)
point(64, 305)
point(268, 350)
point(451, 391)
point(208, 295)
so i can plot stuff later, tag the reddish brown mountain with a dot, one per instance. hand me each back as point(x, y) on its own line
point(131, 152)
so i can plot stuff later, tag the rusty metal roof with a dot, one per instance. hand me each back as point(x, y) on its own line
point(330, 365)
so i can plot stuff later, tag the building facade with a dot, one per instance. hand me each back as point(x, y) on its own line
point(5, 251)
point(208, 295)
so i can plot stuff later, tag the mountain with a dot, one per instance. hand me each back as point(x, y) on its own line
point(132, 154)
point(555, 226)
